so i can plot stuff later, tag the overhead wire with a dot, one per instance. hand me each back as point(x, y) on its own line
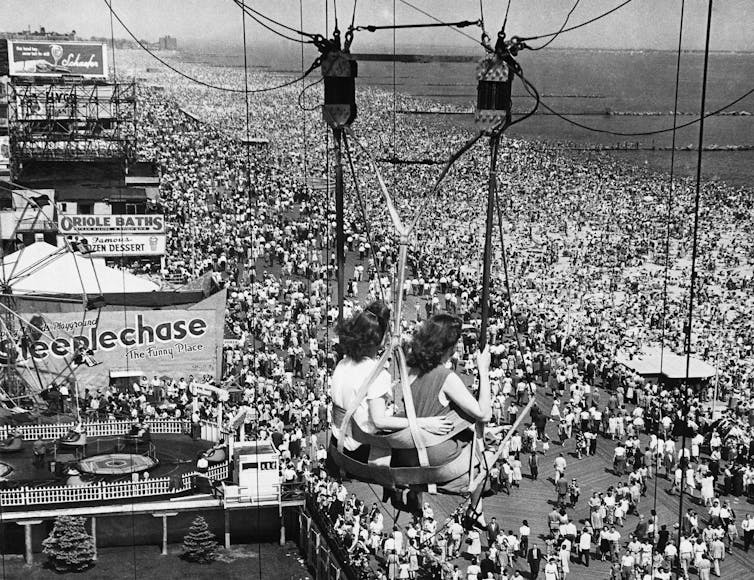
point(256, 216)
point(530, 89)
point(362, 204)
point(505, 18)
point(645, 133)
point(577, 26)
point(112, 42)
point(353, 13)
point(255, 15)
point(125, 313)
point(429, 15)
point(193, 79)
point(459, 24)
point(692, 275)
point(562, 28)
point(303, 92)
point(668, 219)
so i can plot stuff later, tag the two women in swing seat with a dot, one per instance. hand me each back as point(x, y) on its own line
point(436, 390)
point(360, 339)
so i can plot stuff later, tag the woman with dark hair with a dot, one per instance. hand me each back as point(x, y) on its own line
point(360, 339)
point(437, 391)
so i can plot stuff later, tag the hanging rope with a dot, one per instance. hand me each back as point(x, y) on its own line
point(562, 28)
point(362, 206)
point(668, 218)
point(694, 248)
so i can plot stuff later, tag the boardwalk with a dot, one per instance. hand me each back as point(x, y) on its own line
point(534, 499)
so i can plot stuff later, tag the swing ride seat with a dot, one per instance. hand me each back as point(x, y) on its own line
point(402, 477)
point(473, 460)
point(216, 455)
point(11, 445)
point(78, 441)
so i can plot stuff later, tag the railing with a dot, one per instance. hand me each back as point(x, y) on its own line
point(30, 496)
point(95, 429)
point(219, 472)
point(293, 490)
point(313, 546)
point(330, 554)
point(210, 431)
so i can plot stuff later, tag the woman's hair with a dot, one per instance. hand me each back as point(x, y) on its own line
point(431, 340)
point(364, 331)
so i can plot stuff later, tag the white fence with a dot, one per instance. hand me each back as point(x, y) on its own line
point(96, 429)
point(210, 431)
point(31, 496)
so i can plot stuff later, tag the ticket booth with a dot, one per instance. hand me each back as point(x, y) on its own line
point(122, 379)
point(256, 470)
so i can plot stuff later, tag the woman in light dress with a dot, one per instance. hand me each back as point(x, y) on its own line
point(474, 543)
point(708, 489)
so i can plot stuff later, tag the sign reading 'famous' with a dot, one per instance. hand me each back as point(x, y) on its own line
point(40, 58)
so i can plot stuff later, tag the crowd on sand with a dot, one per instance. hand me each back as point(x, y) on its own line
point(591, 283)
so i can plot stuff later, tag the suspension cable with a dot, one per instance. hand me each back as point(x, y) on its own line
point(429, 15)
point(645, 133)
point(362, 205)
point(112, 44)
point(693, 281)
point(668, 219)
point(577, 26)
point(187, 76)
point(253, 14)
point(459, 24)
point(505, 18)
point(562, 28)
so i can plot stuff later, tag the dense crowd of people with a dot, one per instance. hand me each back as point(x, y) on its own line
point(585, 251)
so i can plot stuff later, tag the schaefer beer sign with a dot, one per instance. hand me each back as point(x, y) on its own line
point(40, 58)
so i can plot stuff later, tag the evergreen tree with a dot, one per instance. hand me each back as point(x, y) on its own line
point(199, 544)
point(69, 547)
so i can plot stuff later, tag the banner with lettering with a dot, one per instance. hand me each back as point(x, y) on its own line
point(44, 58)
point(93, 343)
point(83, 224)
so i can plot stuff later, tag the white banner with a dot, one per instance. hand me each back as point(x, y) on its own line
point(116, 224)
point(117, 245)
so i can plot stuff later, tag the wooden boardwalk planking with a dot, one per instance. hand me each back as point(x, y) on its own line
point(532, 500)
point(535, 499)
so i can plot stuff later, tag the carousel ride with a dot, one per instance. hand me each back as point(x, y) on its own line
point(39, 358)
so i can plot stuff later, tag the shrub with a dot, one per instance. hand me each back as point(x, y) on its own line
point(69, 547)
point(199, 544)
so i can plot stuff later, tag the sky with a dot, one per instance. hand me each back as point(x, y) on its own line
point(642, 24)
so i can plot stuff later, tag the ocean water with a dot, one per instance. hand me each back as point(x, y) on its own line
point(589, 84)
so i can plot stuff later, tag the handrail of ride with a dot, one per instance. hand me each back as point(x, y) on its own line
point(105, 491)
point(31, 432)
point(477, 481)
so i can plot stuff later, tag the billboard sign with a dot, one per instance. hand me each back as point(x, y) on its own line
point(118, 245)
point(41, 58)
point(84, 224)
point(172, 342)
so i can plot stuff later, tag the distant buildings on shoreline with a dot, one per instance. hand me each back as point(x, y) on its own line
point(166, 42)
